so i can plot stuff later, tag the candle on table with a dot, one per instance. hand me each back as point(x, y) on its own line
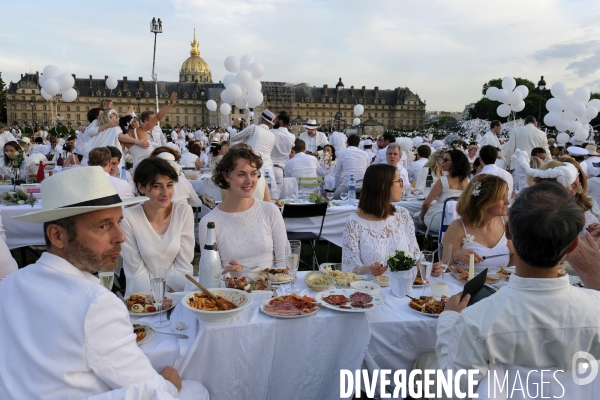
point(471, 266)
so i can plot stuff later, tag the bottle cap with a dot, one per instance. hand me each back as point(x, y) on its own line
point(211, 225)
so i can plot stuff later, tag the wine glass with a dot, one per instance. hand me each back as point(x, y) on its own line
point(107, 279)
point(445, 256)
point(344, 197)
point(293, 260)
point(425, 267)
point(330, 196)
point(158, 282)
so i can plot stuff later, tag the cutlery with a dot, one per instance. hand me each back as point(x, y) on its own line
point(177, 335)
point(497, 255)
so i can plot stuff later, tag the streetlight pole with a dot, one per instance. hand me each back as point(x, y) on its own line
point(202, 93)
point(32, 104)
point(156, 28)
point(138, 98)
point(339, 88)
point(541, 86)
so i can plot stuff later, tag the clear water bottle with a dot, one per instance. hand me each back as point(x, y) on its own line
point(24, 172)
point(352, 191)
point(123, 173)
point(209, 267)
point(268, 178)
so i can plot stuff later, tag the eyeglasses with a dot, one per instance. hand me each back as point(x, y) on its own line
point(399, 180)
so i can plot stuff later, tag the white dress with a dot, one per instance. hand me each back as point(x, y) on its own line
point(138, 152)
point(433, 216)
point(492, 264)
point(145, 250)
point(255, 237)
point(366, 242)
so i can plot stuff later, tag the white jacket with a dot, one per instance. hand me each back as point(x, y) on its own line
point(319, 140)
point(526, 138)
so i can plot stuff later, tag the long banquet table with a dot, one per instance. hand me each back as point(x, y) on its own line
point(20, 234)
point(260, 357)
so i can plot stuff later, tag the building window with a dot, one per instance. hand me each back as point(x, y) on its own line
point(186, 119)
point(77, 108)
point(69, 108)
point(147, 109)
point(194, 113)
point(34, 116)
point(177, 111)
point(185, 111)
point(120, 110)
point(23, 107)
point(177, 119)
point(78, 117)
point(57, 108)
point(68, 116)
point(194, 118)
point(87, 108)
point(322, 114)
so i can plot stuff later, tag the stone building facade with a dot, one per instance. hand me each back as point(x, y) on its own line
point(398, 108)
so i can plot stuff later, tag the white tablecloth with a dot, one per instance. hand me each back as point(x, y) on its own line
point(335, 220)
point(20, 234)
point(6, 188)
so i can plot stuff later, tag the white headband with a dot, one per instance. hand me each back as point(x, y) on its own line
point(171, 159)
point(565, 174)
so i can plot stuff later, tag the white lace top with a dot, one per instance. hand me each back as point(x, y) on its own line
point(366, 242)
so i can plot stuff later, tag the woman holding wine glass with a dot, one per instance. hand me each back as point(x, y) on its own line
point(249, 232)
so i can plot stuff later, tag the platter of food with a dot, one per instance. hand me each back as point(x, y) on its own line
point(230, 302)
point(428, 305)
point(280, 275)
point(290, 306)
point(143, 332)
point(262, 282)
point(143, 304)
point(382, 280)
point(462, 275)
point(419, 282)
point(342, 279)
point(350, 300)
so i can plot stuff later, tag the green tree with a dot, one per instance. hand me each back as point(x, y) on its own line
point(486, 108)
point(3, 112)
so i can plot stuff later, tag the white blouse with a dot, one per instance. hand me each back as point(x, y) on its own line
point(255, 237)
point(366, 242)
point(145, 250)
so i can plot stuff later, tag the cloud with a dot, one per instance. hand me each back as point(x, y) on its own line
point(567, 50)
point(587, 66)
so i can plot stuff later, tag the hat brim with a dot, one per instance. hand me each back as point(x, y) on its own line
point(59, 213)
point(311, 126)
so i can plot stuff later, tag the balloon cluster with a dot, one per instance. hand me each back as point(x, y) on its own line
point(53, 83)
point(511, 96)
point(242, 85)
point(571, 112)
point(358, 111)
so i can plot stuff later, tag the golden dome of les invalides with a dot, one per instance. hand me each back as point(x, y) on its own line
point(195, 68)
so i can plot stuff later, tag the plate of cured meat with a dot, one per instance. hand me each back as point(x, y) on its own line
point(290, 306)
point(350, 300)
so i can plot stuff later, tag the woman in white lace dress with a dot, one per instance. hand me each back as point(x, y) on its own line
point(480, 230)
point(378, 228)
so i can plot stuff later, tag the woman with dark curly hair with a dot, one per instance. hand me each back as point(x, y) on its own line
point(456, 163)
point(250, 233)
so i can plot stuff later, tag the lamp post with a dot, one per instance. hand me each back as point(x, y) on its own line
point(156, 28)
point(138, 98)
point(202, 93)
point(32, 104)
point(339, 88)
point(541, 86)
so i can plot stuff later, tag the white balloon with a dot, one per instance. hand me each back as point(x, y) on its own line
point(225, 109)
point(503, 110)
point(581, 135)
point(492, 93)
point(519, 107)
point(255, 85)
point(502, 95)
point(226, 96)
point(554, 105)
point(232, 64)
point(256, 69)
point(65, 81)
point(111, 83)
point(51, 72)
point(235, 92)
point(69, 95)
point(591, 112)
point(51, 86)
point(356, 121)
point(562, 137)
point(552, 118)
point(240, 103)
point(559, 90)
point(228, 79)
point(254, 98)
point(578, 109)
point(574, 126)
point(581, 95)
point(562, 125)
point(523, 89)
point(594, 103)
point(514, 98)
point(585, 126)
point(509, 83)
point(243, 78)
point(41, 79)
point(211, 105)
point(250, 114)
point(567, 115)
point(45, 95)
point(245, 61)
point(358, 110)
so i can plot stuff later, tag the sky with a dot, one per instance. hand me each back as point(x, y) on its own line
point(442, 50)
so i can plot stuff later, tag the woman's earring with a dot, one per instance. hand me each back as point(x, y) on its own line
point(579, 189)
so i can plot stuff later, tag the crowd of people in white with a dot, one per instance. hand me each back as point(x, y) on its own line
point(554, 190)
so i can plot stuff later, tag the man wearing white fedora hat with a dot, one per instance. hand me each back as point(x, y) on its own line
point(63, 334)
point(593, 161)
point(313, 138)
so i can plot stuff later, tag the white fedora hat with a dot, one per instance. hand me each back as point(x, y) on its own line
point(76, 191)
point(311, 124)
point(592, 150)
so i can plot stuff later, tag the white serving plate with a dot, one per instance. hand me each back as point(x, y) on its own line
point(150, 332)
point(378, 301)
point(143, 314)
point(238, 297)
point(265, 302)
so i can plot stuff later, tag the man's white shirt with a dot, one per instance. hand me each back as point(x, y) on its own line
point(303, 165)
point(490, 139)
point(351, 161)
point(284, 141)
point(312, 142)
point(414, 168)
point(493, 169)
point(338, 140)
point(380, 157)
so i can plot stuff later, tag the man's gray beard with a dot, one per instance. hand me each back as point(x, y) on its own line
point(86, 260)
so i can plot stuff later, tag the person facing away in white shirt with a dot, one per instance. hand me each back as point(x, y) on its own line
point(525, 138)
point(380, 158)
point(351, 161)
point(303, 165)
point(538, 320)
point(338, 140)
point(368, 148)
point(487, 157)
point(284, 141)
point(101, 157)
point(423, 154)
point(393, 157)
